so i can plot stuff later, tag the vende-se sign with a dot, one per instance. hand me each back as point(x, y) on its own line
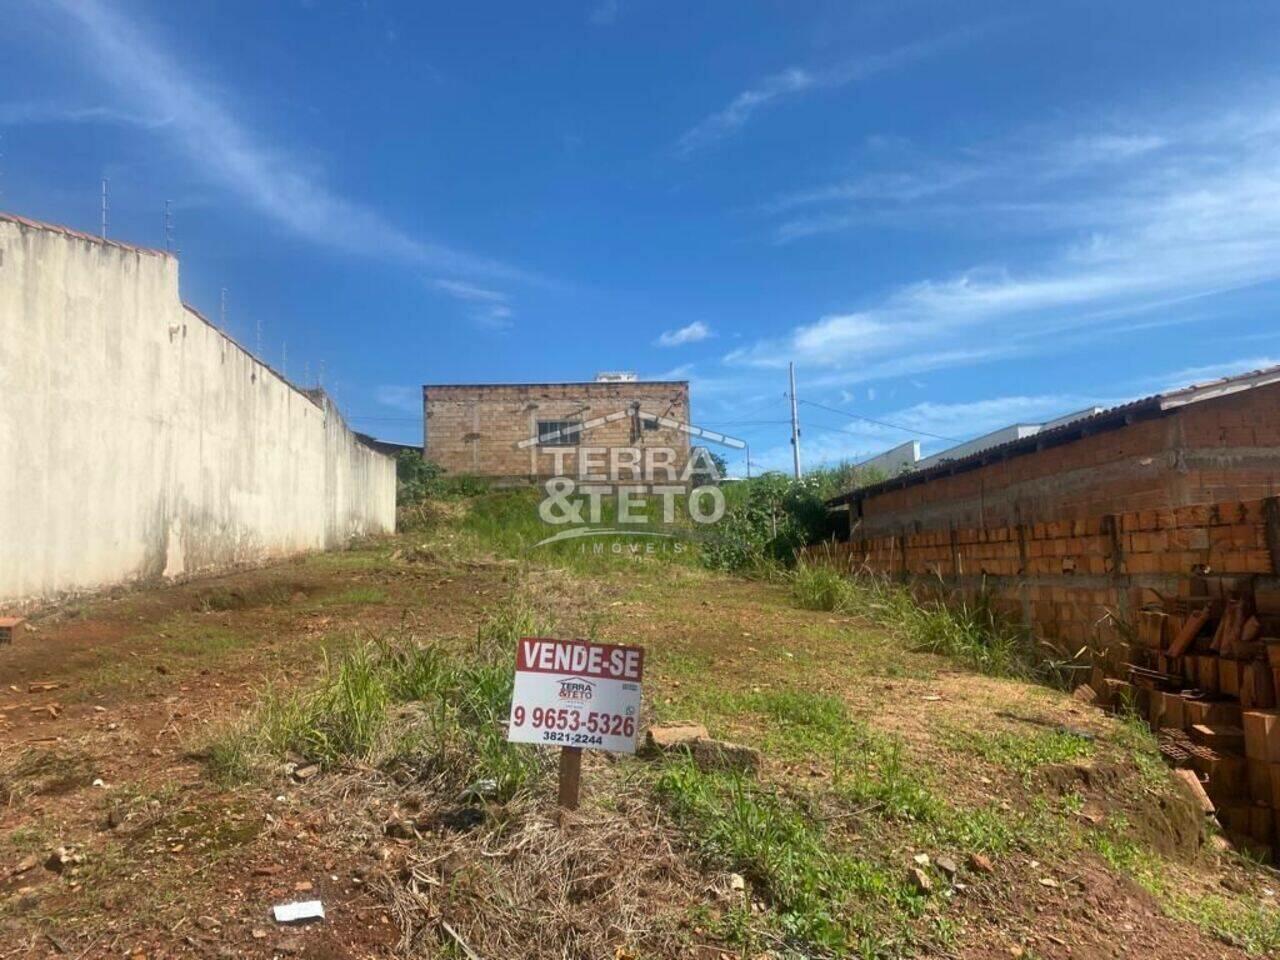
point(573, 693)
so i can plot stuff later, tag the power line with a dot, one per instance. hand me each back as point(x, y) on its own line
point(741, 423)
point(880, 423)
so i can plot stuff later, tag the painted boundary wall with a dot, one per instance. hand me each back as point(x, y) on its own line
point(137, 441)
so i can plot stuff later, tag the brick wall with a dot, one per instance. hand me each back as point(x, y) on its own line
point(1178, 608)
point(1206, 452)
point(475, 429)
point(1082, 581)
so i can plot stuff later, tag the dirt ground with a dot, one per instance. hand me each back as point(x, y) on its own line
point(115, 840)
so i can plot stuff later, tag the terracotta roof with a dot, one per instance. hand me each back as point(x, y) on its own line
point(79, 235)
point(1110, 419)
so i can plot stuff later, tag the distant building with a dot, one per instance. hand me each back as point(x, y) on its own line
point(390, 447)
point(524, 432)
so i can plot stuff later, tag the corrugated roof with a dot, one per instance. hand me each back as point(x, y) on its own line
point(79, 235)
point(1110, 419)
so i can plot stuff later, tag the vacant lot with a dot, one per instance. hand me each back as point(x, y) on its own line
point(173, 762)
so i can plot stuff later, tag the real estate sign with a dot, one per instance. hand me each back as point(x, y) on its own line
point(573, 693)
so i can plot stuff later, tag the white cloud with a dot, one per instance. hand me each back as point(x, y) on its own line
point(823, 442)
point(683, 372)
point(35, 113)
point(604, 13)
point(740, 109)
point(692, 333)
point(157, 87)
point(490, 308)
point(1153, 222)
point(796, 80)
point(1210, 371)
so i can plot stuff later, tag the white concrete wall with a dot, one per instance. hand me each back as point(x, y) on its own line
point(137, 441)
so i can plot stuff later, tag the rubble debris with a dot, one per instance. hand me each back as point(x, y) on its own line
point(920, 881)
point(979, 863)
point(62, 859)
point(299, 911)
point(664, 737)
point(9, 627)
point(721, 755)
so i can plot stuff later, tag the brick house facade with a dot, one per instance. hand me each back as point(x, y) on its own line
point(478, 429)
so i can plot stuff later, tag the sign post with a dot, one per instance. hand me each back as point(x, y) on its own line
point(579, 696)
point(570, 777)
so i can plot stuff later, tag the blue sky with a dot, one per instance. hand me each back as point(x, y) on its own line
point(950, 216)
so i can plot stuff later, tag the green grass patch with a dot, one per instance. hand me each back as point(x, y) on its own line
point(1244, 922)
point(965, 629)
point(1021, 752)
point(354, 596)
point(395, 700)
point(819, 895)
point(821, 588)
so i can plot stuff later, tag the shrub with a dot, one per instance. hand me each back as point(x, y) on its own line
point(418, 480)
point(395, 700)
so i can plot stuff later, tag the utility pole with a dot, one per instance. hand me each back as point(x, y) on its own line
point(795, 420)
point(104, 208)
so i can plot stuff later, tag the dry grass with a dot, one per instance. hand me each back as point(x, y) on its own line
point(533, 883)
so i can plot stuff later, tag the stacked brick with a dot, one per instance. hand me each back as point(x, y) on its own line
point(1204, 673)
point(1178, 608)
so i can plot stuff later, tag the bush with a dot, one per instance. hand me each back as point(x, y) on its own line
point(766, 519)
point(820, 588)
point(418, 480)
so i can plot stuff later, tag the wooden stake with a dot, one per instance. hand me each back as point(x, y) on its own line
point(570, 776)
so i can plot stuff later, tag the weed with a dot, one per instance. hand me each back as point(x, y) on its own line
point(820, 588)
point(355, 596)
point(1136, 737)
point(820, 896)
point(449, 709)
point(1021, 752)
point(962, 628)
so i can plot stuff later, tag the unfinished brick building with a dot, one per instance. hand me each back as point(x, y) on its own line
point(485, 430)
point(1147, 535)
